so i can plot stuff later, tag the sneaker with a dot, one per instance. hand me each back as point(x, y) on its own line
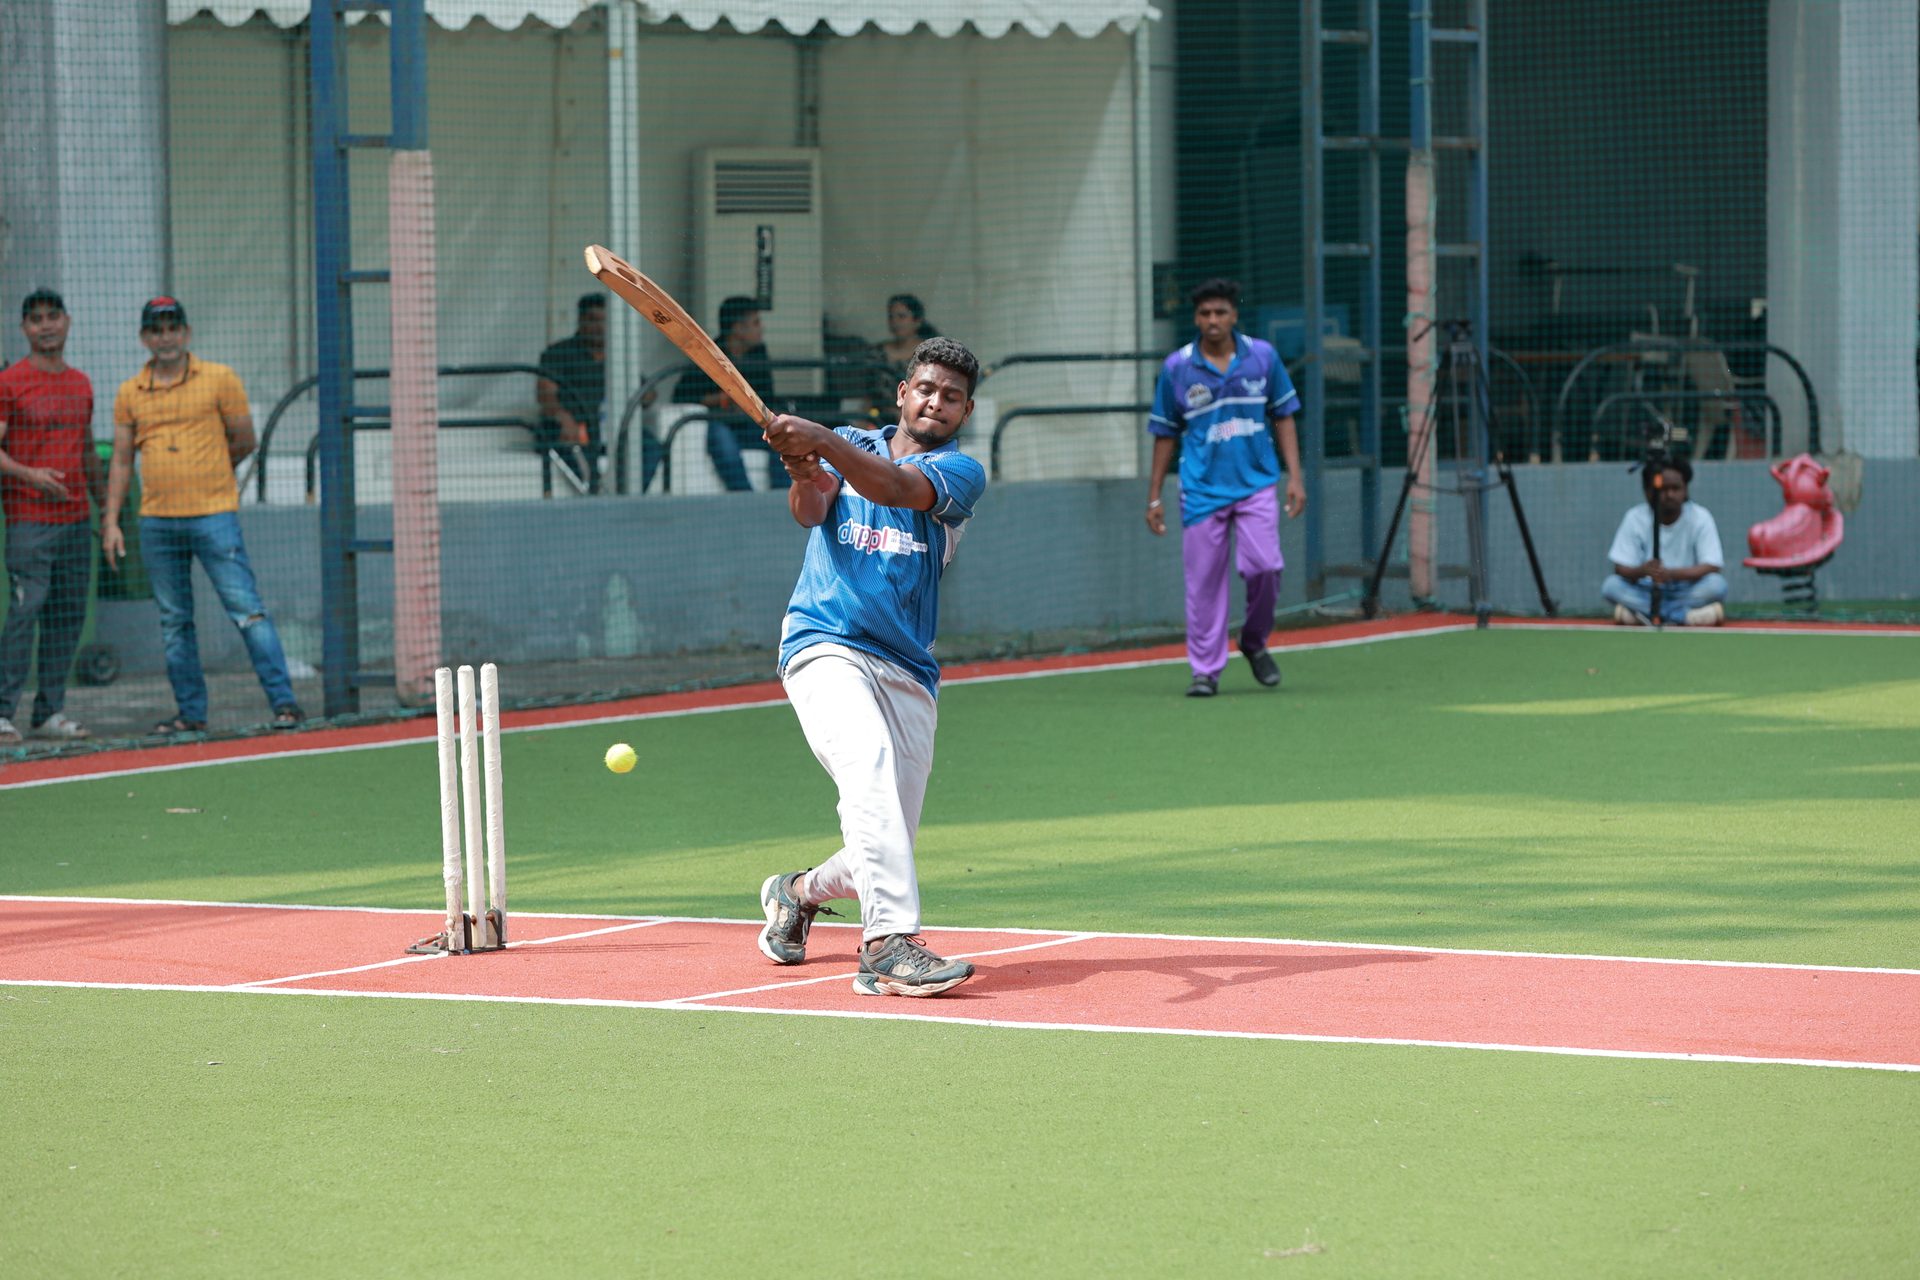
point(61, 725)
point(9, 736)
point(1265, 669)
point(784, 940)
point(1630, 617)
point(903, 967)
point(289, 716)
point(1203, 687)
point(1707, 615)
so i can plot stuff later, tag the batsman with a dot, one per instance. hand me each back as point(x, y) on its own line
point(856, 656)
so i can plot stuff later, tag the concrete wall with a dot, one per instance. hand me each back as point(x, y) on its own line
point(546, 581)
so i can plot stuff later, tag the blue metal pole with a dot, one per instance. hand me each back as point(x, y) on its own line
point(1313, 389)
point(339, 589)
point(1372, 371)
point(1477, 223)
point(408, 49)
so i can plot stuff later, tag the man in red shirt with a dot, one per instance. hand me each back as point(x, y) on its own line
point(48, 465)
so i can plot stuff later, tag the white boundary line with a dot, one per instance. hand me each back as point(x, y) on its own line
point(1048, 935)
point(746, 704)
point(681, 1006)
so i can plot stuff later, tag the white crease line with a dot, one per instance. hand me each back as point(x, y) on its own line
point(329, 973)
point(387, 964)
point(836, 977)
point(1003, 1024)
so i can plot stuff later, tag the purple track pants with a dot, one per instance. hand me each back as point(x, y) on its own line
point(1249, 532)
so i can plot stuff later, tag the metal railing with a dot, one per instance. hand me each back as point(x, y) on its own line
point(257, 475)
point(1666, 356)
point(649, 389)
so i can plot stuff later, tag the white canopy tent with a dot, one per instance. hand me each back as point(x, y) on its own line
point(1008, 190)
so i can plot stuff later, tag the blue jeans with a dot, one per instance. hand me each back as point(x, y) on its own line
point(1675, 598)
point(725, 440)
point(168, 545)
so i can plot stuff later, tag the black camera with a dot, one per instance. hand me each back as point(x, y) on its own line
point(1664, 443)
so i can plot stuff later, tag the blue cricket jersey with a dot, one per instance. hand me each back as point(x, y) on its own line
point(1220, 420)
point(871, 577)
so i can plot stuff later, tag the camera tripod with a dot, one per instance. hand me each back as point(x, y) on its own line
point(1467, 384)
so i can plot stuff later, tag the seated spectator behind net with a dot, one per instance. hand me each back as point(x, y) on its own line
point(1687, 566)
point(730, 430)
point(907, 328)
point(572, 391)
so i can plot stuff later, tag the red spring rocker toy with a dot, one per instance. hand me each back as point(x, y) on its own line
point(1801, 538)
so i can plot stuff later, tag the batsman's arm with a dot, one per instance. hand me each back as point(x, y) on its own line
point(878, 479)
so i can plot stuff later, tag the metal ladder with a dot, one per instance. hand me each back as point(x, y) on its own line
point(334, 280)
point(1367, 244)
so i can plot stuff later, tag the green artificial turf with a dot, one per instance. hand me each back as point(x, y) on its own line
point(1708, 796)
point(231, 1135)
point(1715, 797)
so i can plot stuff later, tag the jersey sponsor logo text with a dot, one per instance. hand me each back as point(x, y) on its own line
point(1232, 429)
point(1198, 395)
point(873, 540)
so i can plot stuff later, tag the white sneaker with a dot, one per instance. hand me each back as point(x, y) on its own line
point(60, 725)
point(1629, 617)
point(8, 734)
point(1707, 615)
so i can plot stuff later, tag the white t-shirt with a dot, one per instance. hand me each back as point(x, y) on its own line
point(1692, 539)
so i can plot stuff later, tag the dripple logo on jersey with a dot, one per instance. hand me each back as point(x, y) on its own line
point(884, 540)
point(1232, 429)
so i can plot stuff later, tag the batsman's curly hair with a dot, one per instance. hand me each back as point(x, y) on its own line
point(948, 354)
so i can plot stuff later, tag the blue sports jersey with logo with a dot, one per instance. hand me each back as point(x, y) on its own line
point(871, 577)
point(1220, 420)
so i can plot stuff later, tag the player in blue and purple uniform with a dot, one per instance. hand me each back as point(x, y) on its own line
point(1224, 402)
point(856, 656)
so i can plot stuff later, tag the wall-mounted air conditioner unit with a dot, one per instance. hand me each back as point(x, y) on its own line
point(756, 233)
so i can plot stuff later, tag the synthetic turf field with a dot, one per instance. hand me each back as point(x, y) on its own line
point(1728, 797)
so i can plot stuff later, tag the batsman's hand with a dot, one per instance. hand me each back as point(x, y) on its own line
point(793, 437)
point(803, 470)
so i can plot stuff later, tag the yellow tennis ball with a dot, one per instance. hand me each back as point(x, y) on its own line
point(620, 758)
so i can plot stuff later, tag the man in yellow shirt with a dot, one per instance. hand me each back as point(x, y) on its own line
point(188, 420)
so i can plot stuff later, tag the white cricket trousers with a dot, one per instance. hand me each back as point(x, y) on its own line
point(871, 725)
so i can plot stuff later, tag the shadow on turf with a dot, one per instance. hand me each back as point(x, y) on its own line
point(1202, 974)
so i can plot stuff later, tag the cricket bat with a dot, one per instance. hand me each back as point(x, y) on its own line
point(672, 320)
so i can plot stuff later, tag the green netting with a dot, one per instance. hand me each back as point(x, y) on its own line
point(1696, 218)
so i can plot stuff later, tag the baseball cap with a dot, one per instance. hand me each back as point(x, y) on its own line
point(42, 297)
point(162, 308)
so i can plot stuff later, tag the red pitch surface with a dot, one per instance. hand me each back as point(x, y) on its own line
point(1102, 982)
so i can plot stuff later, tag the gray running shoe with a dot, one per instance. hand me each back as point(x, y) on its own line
point(903, 967)
point(784, 940)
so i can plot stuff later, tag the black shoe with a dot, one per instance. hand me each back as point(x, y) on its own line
point(1265, 669)
point(1203, 687)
